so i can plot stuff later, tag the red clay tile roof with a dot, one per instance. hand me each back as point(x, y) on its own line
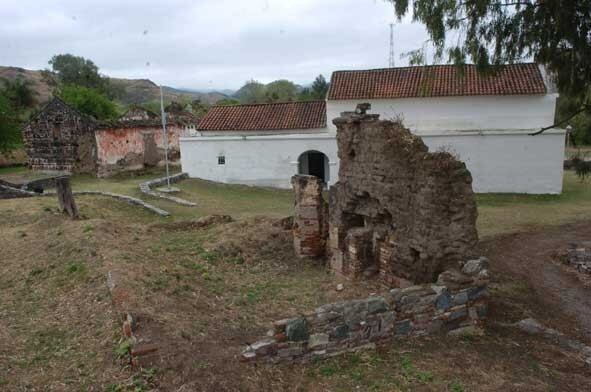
point(272, 116)
point(435, 81)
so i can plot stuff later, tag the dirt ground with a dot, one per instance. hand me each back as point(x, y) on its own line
point(533, 258)
point(203, 293)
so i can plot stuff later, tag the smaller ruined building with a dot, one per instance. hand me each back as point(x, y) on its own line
point(62, 138)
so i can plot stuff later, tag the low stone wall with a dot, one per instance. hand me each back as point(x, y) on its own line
point(456, 303)
point(8, 192)
point(37, 184)
point(146, 188)
point(579, 256)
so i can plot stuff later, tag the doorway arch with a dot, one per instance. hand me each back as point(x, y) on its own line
point(314, 163)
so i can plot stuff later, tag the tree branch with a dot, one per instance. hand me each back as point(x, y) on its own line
point(581, 110)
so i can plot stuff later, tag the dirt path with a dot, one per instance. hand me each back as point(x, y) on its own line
point(563, 296)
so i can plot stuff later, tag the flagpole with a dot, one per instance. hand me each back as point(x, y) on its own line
point(163, 115)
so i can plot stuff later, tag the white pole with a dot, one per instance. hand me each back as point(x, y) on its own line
point(165, 137)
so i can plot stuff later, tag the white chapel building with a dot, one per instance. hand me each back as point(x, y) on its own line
point(485, 120)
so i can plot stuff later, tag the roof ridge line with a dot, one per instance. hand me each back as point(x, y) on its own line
point(428, 66)
point(269, 103)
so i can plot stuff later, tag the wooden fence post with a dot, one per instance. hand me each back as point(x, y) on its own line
point(65, 197)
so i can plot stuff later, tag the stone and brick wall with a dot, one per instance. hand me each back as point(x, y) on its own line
point(397, 210)
point(457, 303)
point(310, 226)
point(60, 138)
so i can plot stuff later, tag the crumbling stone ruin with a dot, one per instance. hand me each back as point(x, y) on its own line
point(61, 138)
point(397, 209)
point(310, 226)
point(402, 214)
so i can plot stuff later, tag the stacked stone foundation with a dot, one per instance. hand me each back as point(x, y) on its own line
point(456, 303)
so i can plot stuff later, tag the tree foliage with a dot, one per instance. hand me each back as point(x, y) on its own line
point(20, 92)
point(556, 33)
point(581, 123)
point(16, 99)
point(10, 134)
point(251, 92)
point(319, 87)
point(89, 101)
point(281, 91)
point(228, 102)
point(78, 71)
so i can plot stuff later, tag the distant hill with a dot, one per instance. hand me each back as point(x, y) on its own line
point(132, 90)
point(38, 82)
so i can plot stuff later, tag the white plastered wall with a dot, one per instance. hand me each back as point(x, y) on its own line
point(489, 133)
point(264, 160)
point(466, 113)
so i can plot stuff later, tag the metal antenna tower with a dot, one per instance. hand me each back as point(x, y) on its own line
point(391, 59)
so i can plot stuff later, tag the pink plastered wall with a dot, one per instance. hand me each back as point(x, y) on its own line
point(114, 144)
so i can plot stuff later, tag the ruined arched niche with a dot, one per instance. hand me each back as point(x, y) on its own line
point(397, 210)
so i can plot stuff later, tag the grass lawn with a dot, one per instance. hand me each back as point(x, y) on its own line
point(12, 170)
point(205, 293)
point(497, 213)
point(505, 213)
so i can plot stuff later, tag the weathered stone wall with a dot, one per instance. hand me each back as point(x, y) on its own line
point(397, 210)
point(60, 138)
point(134, 148)
point(457, 303)
point(310, 225)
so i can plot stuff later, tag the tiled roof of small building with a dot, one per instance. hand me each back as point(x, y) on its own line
point(435, 81)
point(272, 116)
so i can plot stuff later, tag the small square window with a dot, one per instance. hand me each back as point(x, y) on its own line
point(221, 160)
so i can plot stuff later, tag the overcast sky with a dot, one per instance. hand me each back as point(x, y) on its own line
point(206, 44)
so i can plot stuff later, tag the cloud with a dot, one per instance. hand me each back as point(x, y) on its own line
point(205, 43)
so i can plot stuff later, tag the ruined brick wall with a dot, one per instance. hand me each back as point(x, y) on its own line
point(397, 210)
point(134, 147)
point(310, 224)
point(60, 138)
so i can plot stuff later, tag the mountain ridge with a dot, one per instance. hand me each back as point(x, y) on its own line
point(132, 91)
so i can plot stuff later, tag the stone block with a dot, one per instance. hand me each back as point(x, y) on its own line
point(339, 332)
point(473, 267)
point(475, 293)
point(443, 301)
point(264, 347)
point(460, 298)
point(458, 313)
point(297, 330)
point(402, 328)
point(376, 305)
point(317, 341)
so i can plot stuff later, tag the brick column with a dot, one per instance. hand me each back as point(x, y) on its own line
point(310, 224)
